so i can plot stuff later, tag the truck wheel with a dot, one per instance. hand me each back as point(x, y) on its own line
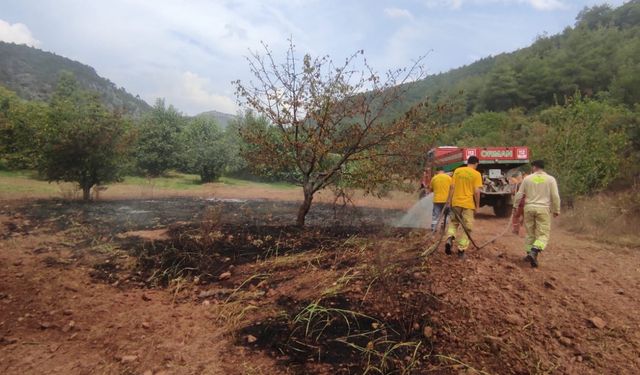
point(501, 209)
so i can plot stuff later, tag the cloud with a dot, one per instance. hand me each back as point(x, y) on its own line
point(17, 33)
point(192, 93)
point(398, 13)
point(545, 5)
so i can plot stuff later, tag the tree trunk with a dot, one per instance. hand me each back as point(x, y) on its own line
point(86, 193)
point(304, 208)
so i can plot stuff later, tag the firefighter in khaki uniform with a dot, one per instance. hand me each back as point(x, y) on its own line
point(465, 199)
point(440, 185)
point(541, 199)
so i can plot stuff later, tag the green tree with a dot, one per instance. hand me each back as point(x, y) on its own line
point(205, 150)
point(82, 141)
point(20, 124)
point(158, 146)
point(584, 145)
point(501, 91)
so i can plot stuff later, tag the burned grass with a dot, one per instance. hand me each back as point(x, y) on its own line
point(347, 335)
point(366, 312)
point(208, 252)
point(353, 299)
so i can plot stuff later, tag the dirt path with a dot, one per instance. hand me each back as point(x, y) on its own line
point(552, 307)
point(56, 318)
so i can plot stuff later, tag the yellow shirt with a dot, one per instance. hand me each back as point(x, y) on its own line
point(465, 180)
point(440, 185)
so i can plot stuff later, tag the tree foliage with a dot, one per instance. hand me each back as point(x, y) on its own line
point(205, 151)
point(599, 55)
point(584, 145)
point(81, 141)
point(324, 120)
point(20, 125)
point(158, 146)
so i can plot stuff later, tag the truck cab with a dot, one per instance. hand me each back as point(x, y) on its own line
point(499, 166)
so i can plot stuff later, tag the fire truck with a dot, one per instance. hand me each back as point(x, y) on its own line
point(499, 167)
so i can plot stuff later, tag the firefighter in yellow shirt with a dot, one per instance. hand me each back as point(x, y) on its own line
point(541, 199)
point(439, 186)
point(465, 199)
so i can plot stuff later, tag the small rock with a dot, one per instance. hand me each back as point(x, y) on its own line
point(72, 324)
point(45, 325)
point(427, 331)
point(8, 340)
point(375, 325)
point(251, 339)
point(41, 250)
point(129, 358)
point(146, 297)
point(620, 291)
point(440, 291)
point(565, 341)
point(67, 312)
point(598, 322)
point(416, 326)
point(224, 275)
point(494, 342)
point(206, 302)
point(549, 285)
point(207, 293)
point(514, 319)
point(146, 325)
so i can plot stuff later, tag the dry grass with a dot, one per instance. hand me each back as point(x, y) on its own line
point(23, 185)
point(610, 218)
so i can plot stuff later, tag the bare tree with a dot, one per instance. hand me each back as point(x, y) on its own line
point(326, 122)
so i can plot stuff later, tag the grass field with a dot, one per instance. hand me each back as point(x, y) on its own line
point(25, 185)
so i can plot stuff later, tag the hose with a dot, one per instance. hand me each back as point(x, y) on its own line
point(442, 219)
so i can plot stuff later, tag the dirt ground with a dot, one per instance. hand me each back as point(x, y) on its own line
point(197, 286)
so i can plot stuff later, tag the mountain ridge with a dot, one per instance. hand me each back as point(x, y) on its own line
point(598, 56)
point(33, 74)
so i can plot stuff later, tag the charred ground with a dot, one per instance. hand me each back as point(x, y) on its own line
point(348, 294)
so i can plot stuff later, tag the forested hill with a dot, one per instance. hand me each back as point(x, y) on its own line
point(599, 56)
point(221, 118)
point(33, 74)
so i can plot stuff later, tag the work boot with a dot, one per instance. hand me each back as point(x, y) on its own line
point(461, 255)
point(448, 245)
point(533, 257)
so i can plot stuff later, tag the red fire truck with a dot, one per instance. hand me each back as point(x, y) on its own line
point(499, 167)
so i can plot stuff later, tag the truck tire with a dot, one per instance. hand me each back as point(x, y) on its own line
point(501, 209)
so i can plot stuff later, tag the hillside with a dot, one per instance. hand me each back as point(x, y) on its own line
point(599, 56)
point(33, 73)
point(221, 118)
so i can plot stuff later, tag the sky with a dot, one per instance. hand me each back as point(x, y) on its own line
point(188, 52)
